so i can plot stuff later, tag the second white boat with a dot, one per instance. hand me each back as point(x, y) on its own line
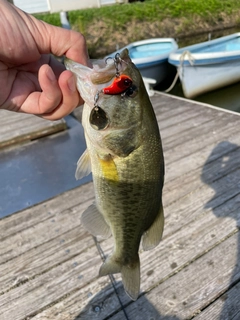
point(208, 65)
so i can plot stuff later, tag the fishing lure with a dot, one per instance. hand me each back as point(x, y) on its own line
point(119, 85)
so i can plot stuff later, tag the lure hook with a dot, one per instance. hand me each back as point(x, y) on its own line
point(117, 60)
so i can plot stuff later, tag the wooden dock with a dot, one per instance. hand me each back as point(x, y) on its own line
point(21, 128)
point(49, 264)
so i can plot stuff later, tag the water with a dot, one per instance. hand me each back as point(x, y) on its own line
point(187, 41)
point(227, 97)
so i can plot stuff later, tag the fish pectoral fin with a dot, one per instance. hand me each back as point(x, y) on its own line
point(94, 222)
point(130, 274)
point(153, 235)
point(83, 166)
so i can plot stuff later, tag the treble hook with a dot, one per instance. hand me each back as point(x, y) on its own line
point(117, 60)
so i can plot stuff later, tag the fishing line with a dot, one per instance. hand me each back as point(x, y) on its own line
point(111, 277)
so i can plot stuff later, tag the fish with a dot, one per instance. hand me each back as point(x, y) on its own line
point(124, 153)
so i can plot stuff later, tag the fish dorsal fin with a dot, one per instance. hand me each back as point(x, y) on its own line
point(153, 235)
point(94, 222)
point(83, 166)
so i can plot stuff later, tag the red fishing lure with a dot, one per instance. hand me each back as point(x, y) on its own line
point(119, 85)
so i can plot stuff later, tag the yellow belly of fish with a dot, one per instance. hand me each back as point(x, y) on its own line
point(109, 169)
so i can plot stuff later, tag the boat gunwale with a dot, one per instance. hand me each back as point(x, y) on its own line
point(146, 61)
point(187, 57)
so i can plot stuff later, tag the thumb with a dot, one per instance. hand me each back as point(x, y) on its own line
point(59, 41)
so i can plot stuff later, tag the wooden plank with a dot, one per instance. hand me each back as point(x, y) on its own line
point(46, 255)
point(187, 122)
point(197, 159)
point(166, 105)
point(45, 226)
point(12, 225)
point(225, 307)
point(170, 119)
point(198, 138)
point(92, 306)
point(19, 127)
point(184, 125)
point(182, 296)
point(29, 297)
point(202, 168)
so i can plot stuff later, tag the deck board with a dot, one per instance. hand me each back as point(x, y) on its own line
point(17, 128)
point(191, 289)
point(227, 306)
point(49, 264)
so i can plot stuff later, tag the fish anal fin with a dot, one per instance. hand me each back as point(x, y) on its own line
point(94, 222)
point(110, 266)
point(130, 274)
point(83, 166)
point(153, 235)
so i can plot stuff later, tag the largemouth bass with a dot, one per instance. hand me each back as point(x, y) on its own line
point(124, 154)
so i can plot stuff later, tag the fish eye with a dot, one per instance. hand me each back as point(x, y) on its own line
point(127, 82)
point(132, 91)
point(98, 119)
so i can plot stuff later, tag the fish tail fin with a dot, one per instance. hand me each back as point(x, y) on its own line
point(131, 279)
point(130, 274)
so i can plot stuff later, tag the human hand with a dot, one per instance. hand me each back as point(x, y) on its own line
point(31, 79)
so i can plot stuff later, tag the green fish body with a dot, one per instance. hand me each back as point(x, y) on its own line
point(124, 154)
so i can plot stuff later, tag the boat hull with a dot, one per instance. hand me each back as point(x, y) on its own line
point(200, 79)
point(157, 71)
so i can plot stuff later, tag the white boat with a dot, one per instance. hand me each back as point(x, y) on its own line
point(151, 57)
point(208, 65)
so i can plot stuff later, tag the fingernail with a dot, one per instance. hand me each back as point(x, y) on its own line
point(51, 75)
point(71, 84)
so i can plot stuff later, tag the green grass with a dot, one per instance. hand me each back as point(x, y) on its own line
point(150, 10)
point(107, 27)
